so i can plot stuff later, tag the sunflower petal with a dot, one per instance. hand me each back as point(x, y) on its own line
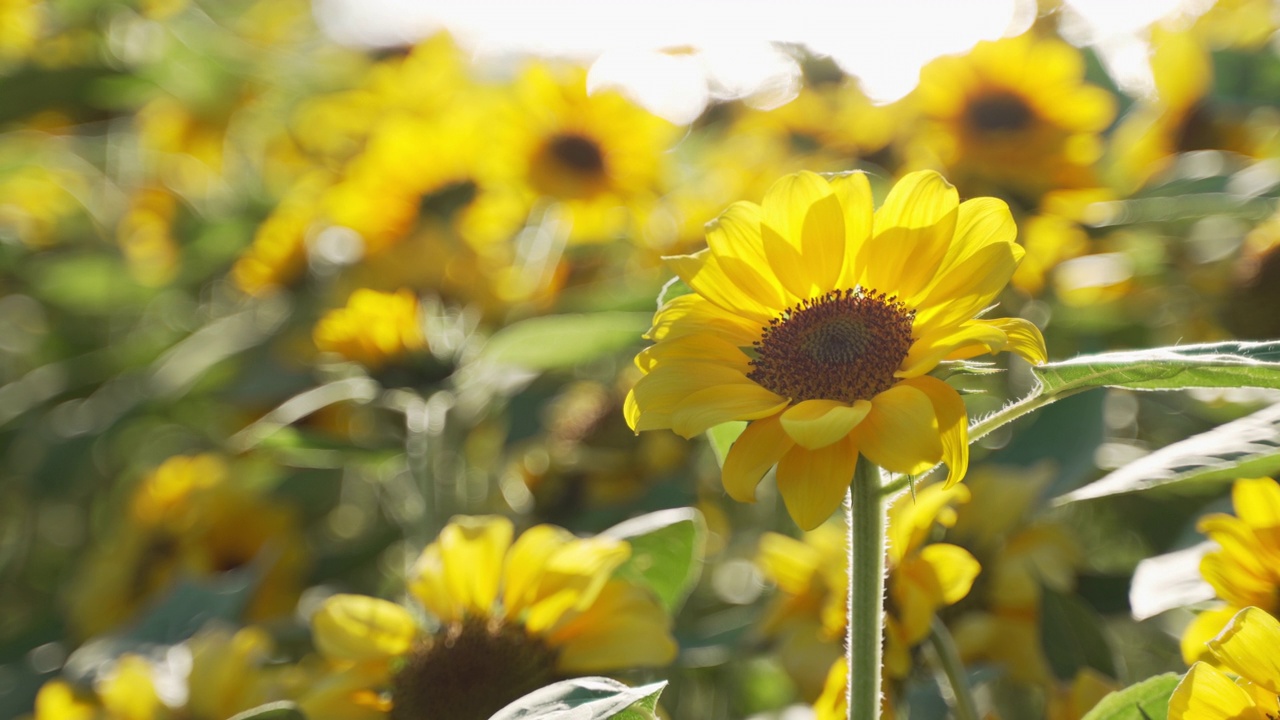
point(913, 230)
point(974, 338)
point(1247, 647)
point(1206, 693)
point(702, 272)
point(901, 432)
point(953, 424)
point(651, 404)
point(802, 228)
point(734, 239)
point(1024, 338)
point(472, 550)
point(693, 314)
point(961, 292)
point(813, 483)
point(816, 424)
point(525, 564)
point(709, 407)
point(357, 628)
point(854, 192)
point(1257, 502)
point(757, 449)
point(1203, 628)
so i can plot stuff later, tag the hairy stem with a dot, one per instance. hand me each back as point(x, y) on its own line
point(866, 591)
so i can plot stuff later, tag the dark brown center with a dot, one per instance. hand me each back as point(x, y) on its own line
point(998, 112)
point(577, 153)
point(845, 345)
point(469, 671)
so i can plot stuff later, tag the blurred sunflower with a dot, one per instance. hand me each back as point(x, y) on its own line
point(600, 156)
point(1073, 701)
point(1182, 117)
point(374, 328)
point(818, 320)
point(1245, 569)
point(1021, 555)
point(1014, 115)
point(506, 618)
point(810, 615)
point(228, 673)
point(188, 519)
point(1246, 648)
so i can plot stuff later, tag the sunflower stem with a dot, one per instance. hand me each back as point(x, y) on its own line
point(864, 643)
point(944, 648)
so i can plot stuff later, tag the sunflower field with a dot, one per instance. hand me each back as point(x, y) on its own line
point(352, 382)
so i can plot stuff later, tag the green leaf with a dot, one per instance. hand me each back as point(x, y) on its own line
point(1073, 637)
point(556, 342)
point(588, 698)
point(723, 436)
point(1147, 700)
point(1248, 447)
point(666, 552)
point(1223, 365)
point(282, 710)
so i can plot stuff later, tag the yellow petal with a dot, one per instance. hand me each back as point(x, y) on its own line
point(913, 230)
point(791, 564)
point(712, 406)
point(1024, 338)
point(901, 432)
point(974, 338)
point(1247, 647)
point(1201, 630)
point(624, 628)
point(854, 193)
point(653, 401)
point(955, 568)
point(572, 578)
point(702, 272)
point(693, 314)
point(734, 239)
point(802, 229)
point(472, 550)
point(694, 348)
point(759, 448)
point(963, 291)
point(1206, 693)
point(953, 424)
point(816, 424)
point(1257, 502)
point(356, 628)
point(813, 482)
point(526, 564)
point(427, 583)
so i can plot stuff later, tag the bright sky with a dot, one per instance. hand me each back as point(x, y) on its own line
point(883, 43)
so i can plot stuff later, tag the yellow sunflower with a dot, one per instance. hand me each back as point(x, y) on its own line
point(1245, 569)
point(598, 155)
point(1246, 648)
point(818, 320)
point(374, 328)
point(1014, 115)
point(809, 616)
point(506, 618)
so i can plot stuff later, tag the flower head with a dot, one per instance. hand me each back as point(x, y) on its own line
point(1245, 569)
point(507, 617)
point(817, 319)
point(373, 328)
point(1245, 648)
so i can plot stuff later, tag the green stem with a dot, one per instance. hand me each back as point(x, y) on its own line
point(867, 515)
point(949, 663)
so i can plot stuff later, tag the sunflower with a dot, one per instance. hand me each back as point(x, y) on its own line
point(506, 618)
point(1245, 569)
point(598, 155)
point(1246, 647)
point(818, 320)
point(809, 616)
point(373, 329)
point(1013, 115)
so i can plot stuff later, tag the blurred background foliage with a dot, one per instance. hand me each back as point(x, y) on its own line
point(274, 309)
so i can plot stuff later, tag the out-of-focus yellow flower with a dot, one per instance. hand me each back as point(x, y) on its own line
point(1020, 555)
point(1245, 568)
point(833, 703)
point(228, 674)
point(1181, 117)
point(187, 145)
point(36, 199)
point(845, 311)
point(278, 253)
point(509, 617)
point(809, 617)
point(373, 329)
point(1074, 701)
point(21, 24)
point(187, 518)
point(1255, 285)
point(1048, 240)
point(600, 156)
point(146, 239)
point(1246, 647)
point(1014, 115)
point(1237, 23)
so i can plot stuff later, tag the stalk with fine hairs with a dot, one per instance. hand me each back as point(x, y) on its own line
point(864, 643)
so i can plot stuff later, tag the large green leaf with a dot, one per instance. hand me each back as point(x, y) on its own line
point(588, 698)
point(1248, 447)
point(1148, 700)
point(556, 342)
point(666, 552)
point(1073, 636)
point(723, 436)
point(1215, 365)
